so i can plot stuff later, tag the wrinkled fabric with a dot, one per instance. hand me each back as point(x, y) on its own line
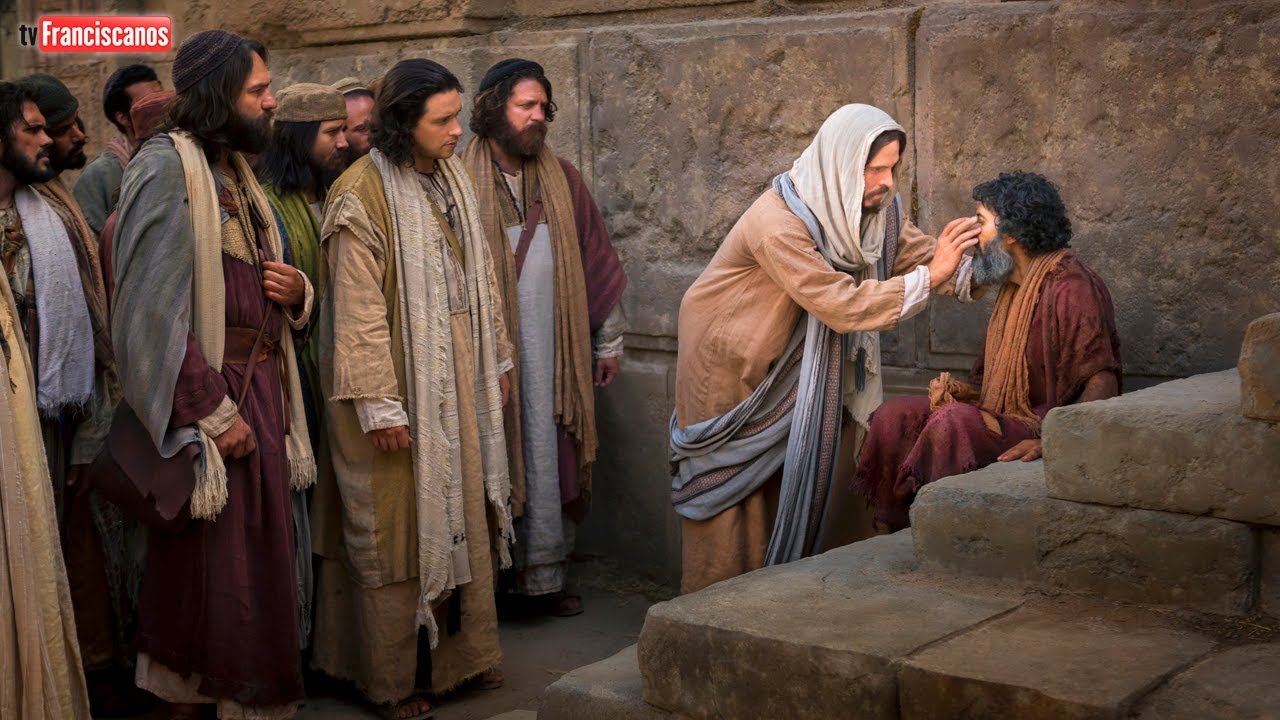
point(1072, 337)
point(40, 668)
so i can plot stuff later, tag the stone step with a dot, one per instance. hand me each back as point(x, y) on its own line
point(1048, 662)
point(1182, 447)
point(1259, 368)
point(1239, 683)
point(609, 689)
point(1000, 522)
point(818, 638)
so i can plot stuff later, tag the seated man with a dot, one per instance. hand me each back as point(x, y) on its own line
point(1050, 341)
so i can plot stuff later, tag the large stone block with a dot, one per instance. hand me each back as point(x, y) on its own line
point(1269, 595)
point(609, 689)
point(1046, 664)
point(1237, 684)
point(631, 518)
point(1182, 447)
point(1260, 369)
point(690, 123)
point(1133, 109)
point(816, 638)
point(982, 523)
point(1000, 522)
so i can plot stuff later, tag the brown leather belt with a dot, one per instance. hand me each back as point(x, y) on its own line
point(241, 343)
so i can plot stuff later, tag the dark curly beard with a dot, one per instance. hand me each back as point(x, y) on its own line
point(249, 136)
point(526, 143)
point(25, 171)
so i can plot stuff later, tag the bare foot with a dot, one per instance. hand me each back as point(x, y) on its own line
point(414, 708)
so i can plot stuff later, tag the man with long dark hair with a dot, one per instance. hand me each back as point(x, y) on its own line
point(1051, 341)
point(562, 279)
point(307, 144)
point(42, 674)
point(201, 318)
point(96, 539)
point(98, 184)
point(413, 360)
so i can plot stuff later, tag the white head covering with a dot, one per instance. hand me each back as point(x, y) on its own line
point(829, 178)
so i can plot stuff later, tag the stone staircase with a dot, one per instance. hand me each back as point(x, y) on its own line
point(1135, 573)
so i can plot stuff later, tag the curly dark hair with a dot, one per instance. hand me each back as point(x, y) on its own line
point(1028, 208)
point(115, 94)
point(12, 97)
point(489, 110)
point(401, 103)
point(207, 109)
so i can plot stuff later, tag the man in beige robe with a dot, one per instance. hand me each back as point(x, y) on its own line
point(751, 306)
point(40, 667)
point(413, 357)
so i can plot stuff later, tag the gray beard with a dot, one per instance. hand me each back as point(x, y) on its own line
point(994, 265)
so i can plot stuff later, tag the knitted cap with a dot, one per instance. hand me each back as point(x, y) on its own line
point(201, 54)
point(310, 102)
point(148, 113)
point(55, 101)
point(505, 69)
point(349, 84)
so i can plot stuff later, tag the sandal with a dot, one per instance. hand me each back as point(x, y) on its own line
point(393, 711)
point(563, 604)
point(491, 679)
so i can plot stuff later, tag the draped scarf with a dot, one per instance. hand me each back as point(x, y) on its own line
point(544, 180)
point(432, 401)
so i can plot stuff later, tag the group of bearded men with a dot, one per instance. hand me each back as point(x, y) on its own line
point(375, 360)
point(362, 367)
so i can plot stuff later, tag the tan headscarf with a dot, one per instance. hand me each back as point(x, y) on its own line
point(829, 177)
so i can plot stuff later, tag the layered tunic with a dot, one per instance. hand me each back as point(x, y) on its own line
point(367, 519)
point(96, 188)
point(556, 472)
point(40, 667)
point(1072, 338)
point(218, 616)
point(735, 322)
point(96, 538)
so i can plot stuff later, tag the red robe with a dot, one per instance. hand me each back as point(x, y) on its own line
point(1073, 337)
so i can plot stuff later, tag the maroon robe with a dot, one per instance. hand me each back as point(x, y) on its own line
point(1072, 338)
point(220, 598)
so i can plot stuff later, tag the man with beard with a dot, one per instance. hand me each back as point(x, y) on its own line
point(39, 655)
point(359, 101)
point(201, 319)
point(801, 286)
point(561, 285)
point(413, 361)
point(97, 541)
point(1051, 341)
point(99, 183)
point(307, 144)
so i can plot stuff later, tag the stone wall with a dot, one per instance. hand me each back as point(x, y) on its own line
point(1159, 121)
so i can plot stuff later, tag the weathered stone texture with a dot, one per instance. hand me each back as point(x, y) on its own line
point(982, 523)
point(1260, 369)
point(1000, 522)
point(814, 639)
point(608, 689)
point(690, 124)
point(1237, 684)
point(1160, 124)
point(1269, 596)
point(1036, 664)
point(631, 518)
point(1182, 447)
